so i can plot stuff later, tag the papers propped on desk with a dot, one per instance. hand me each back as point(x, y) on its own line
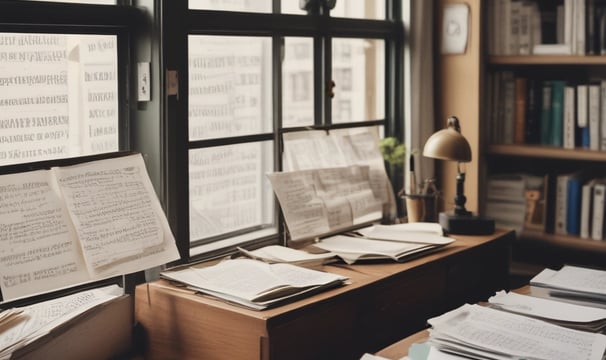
point(560, 313)
point(420, 233)
point(355, 248)
point(572, 282)
point(255, 284)
point(80, 223)
point(480, 332)
point(35, 321)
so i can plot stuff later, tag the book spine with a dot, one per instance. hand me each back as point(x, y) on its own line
point(597, 223)
point(593, 115)
point(524, 44)
point(561, 204)
point(521, 94)
point(573, 206)
point(580, 26)
point(586, 210)
point(590, 25)
point(514, 39)
point(508, 107)
point(568, 130)
point(533, 112)
point(602, 125)
point(546, 91)
point(557, 112)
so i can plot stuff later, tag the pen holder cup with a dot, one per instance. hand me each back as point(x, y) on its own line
point(421, 207)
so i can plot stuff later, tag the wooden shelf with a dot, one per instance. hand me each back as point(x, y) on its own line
point(573, 60)
point(539, 151)
point(573, 242)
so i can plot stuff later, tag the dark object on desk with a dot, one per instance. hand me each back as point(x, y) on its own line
point(449, 144)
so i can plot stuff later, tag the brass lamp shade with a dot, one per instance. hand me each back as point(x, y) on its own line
point(448, 144)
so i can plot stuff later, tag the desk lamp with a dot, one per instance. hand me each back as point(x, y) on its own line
point(449, 144)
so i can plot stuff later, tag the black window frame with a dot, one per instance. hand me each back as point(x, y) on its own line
point(177, 22)
point(121, 20)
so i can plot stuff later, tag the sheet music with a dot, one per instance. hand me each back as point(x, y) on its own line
point(38, 245)
point(116, 215)
point(313, 149)
point(318, 201)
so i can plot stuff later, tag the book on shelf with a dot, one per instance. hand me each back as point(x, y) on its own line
point(586, 216)
point(569, 119)
point(529, 27)
point(254, 284)
point(582, 114)
point(100, 218)
point(533, 112)
point(557, 113)
point(515, 201)
point(574, 202)
point(546, 113)
point(593, 116)
point(520, 103)
point(598, 211)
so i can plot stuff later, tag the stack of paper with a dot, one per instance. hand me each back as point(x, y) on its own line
point(556, 312)
point(572, 282)
point(255, 284)
point(32, 322)
point(398, 242)
point(480, 332)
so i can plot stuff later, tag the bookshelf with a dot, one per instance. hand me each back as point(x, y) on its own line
point(497, 155)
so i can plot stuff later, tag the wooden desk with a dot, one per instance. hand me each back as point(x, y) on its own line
point(384, 303)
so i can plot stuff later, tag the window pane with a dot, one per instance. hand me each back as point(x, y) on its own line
point(298, 82)
point(228, 189)
point(367, 9)
point(58, 96)
point(232, 5)
point(358, 70)
point(229, 86)
point(291, 7)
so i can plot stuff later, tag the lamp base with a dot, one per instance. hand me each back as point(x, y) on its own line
point(466, 224)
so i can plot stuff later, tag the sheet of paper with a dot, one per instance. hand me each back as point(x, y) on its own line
point(318, 201)
point(550, 309)
point(402, 232)
point(39, 251)
point(314, 149)
point(573, 278)
point(44, 316)
point(117, 216)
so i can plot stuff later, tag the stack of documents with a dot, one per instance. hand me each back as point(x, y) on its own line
point(398, 242)
point(255, 284)
point(281, 254)
point(572, 316)
point(480, 332)
point(572, 283)
point(20, 327)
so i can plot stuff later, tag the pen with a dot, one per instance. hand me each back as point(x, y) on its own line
point(413, 180)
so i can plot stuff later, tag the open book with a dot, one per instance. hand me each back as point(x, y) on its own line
point(254, 284)
point(75, 224)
